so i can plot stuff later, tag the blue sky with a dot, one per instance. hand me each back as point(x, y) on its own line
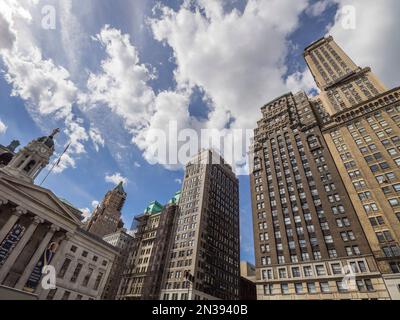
point(111, 71)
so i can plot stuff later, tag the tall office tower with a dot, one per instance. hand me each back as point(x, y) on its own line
point(146, 263)
point(361, 128)
point(204, 255)
point(342, 82)
point(106, 218)
point(306, 232)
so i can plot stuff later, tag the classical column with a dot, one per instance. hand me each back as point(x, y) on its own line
point(15, 215)
point(60, 253)
point(19, 247)
point(36, 256)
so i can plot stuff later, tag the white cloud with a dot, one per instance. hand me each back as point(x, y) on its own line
point(375, 42)
point(7, 35)
point(44, 85)
point(236, 58)
point(116, 178)
point(3, 127)
point(137, 164)
point(171, 110)
point(301, 81)
point(86, 213)
point(96, 137)
point(318, 7)
point(122, 82)
point(95, 203)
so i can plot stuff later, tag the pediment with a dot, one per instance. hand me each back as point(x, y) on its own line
point(38, 195)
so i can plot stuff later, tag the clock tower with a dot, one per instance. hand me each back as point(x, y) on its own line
point(30, 160)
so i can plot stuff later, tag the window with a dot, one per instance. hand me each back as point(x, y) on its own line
point(64, 268)
point(395, 267)
point(98, 280)
point(324, 287)
point(77, 270)
point(340, 286)
point(73, 248)
point(66, 295)
point(267, 274)
point(87, 277)
point(282, 273)
point(336, 268)
point(308, 271)
point(268, 288)
point(320, 270)
point(368, 285)
point(299, 288)
point(360, 285)
point(311, 287)
point(362, 266)
point(51, 294)
point(296, 272)
point(317, 255)
point(332, 253)
point(285, 288)
point(394, 202)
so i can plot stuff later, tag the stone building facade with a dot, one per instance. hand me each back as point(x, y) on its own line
point(307, 234)
point(146, 262)
point(37, 229)
point(106, 218)
point(123, 242)
point(361, 126)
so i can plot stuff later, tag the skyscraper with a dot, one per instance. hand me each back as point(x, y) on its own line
point(106, 218)
point(307, 234)
point(189, 248)
point(204, 254)
point(361, 128)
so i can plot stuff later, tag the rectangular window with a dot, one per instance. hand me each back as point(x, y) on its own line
point(324, 287)
point(341, 287)
point(296, 272)
point(285, 288)
point(299, 288)
point(66, 295)
point(98, 281)
point(268, 288)
point(336, 268)
point(64, 268)
point(311, 287)
point(76, 273)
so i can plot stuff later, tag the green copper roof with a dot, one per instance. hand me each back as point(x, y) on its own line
point(176, 198)
point(154, 207)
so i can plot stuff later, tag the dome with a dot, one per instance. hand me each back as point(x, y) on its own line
point(48, 141)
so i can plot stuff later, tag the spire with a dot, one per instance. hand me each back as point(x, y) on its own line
point(120, 187)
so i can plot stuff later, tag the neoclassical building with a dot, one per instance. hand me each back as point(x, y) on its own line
point(37, 228)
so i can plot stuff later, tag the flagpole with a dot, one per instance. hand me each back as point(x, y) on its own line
point(56, 163)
